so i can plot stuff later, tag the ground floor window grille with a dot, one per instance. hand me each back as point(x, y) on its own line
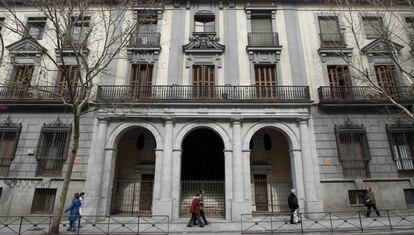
point(43, 200)
point(353, 150)
point(409, 196)
point(214, 200)
point(357, 197)
point(133, 196)
point(401, 139)
point(9, 137)
point(270, 195)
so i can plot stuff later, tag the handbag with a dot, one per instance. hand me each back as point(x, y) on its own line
point(296, 217)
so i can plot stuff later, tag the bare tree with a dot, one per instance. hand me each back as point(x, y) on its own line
point(88, 35)
point(379, 20)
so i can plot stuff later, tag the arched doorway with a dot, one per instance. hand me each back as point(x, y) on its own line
point(202, 168)
point(133, 183)
point(271, 175)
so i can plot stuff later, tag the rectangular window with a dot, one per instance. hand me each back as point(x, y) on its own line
point(373, 27)
point(330, 34)
point(141, 80)
point(409, 196)
point(9, 137)
point(146, 21)
point(204, 22)
point(357, 197)
point(20, 80)
point(386, 78)
point(70, 80)
point(353, 151)
point(43, 201)
point(1, 23)
point(52, 149)
point(36, 26)
point(265, 76)
point(203, 81)
point(80, 30)
point(401, 139)
point(339, 81)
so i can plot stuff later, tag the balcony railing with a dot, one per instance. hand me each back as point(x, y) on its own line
point(332, 40)
point(272, 94)
point(364, 95)
point(263, 39)
point(145, 40)
point(10, 94)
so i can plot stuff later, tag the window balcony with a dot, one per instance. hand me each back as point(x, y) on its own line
point(363, 96)
point(213, 94)
point(263, 40)
point(145, 40)
point(33, 95)
point(332, 40)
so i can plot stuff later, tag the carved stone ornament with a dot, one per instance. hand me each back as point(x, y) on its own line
point(381, 46)
point(26, 48)
point(204, 43)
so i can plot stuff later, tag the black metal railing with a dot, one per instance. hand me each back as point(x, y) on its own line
point(364, 94)
point(145, 40)
point(274, 94)
point(34, 94)
point(331, 222)
point(263, 39)
point(332, 40)
point(270, 195)
point(87, 225)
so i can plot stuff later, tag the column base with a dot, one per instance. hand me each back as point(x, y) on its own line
point(239, 208)
point(313, 206)
point(162, 207)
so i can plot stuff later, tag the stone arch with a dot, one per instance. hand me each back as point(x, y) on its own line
point(122, 128)
point(285, 129)
point(202, 124)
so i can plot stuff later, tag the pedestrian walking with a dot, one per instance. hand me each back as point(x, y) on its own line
point(74, 212)
point(82, 200)
point(370, 202)
point(293, 206)
point(202, 207)
point(195, 211)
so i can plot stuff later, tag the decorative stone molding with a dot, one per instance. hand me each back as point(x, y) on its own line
point(25, 51)
point(325, 53)
point(147, 56)
point(264, 55)
point(271, 8)
point(380, 47)
point(203, 43)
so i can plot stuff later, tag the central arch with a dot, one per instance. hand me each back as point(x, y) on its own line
point(203, 168)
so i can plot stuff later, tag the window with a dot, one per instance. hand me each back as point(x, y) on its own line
point(203, 81)
point(261, 23)
point(409, 196)
point(262, 31)
point(373, 27)
point(79, 31)
point(265, 76)
point(20, 81)
point(204, 22)
point(353, 150)
point(386, 78)
point(36, 26)
point(339, 81)
point(409, 25)
point(357, 197)
point(71, 80)
point(43, 200)
point(52, 149)
point(141, 80)
point(9, 137)
point(401, 139)
point(1, 23)
point(330, 34)
point(147, 22)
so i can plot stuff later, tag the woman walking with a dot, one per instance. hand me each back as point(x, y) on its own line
point(195, 211)
point(74, 212)
point(370, 202)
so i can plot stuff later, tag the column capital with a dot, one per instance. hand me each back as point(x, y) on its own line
point(246, 150)
point(302, 120)
point(227, 150)
point(236, 120)
point(111, 149)
point(103, 119)
point(169, 119)
point(159, 150)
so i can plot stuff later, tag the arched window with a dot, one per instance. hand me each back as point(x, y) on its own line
point(204, 22)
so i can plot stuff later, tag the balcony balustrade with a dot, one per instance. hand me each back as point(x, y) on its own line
point(332, 40)
point(145, 40)
point(175, 93)
point(38, 94)
point(363, 95)
point(263, 40)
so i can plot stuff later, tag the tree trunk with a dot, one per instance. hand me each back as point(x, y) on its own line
point(57, 214)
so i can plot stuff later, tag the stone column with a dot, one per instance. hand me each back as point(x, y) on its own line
point(247, 179)
point(228, 177)
point(239, 206)
point(311, 202)
point(95, 169)
point(157, 177)
point(176, 180)
point(296, 163)
point(108, 181)
point(164, 206)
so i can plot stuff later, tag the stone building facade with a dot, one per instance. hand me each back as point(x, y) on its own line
point(221, 96)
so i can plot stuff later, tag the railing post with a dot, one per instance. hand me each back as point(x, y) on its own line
point(79, 220)
point(389, 219)
point(138, 224)
point(301, 222)
point(360, 221)
point(330, 220)
point(271, 223)
point(20, 225)
point(109, 222)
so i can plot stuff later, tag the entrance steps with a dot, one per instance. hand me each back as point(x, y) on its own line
point(215, 226)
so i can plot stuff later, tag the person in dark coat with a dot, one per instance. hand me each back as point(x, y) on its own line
point(202, 207)
point(74, 212)
point(195, 211)
point(293, 204)
point(370, 202)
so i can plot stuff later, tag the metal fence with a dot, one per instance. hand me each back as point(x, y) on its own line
point(87, 225)
point(214, 199)
point(263, 39)
point(270, 196)
point(330, 222)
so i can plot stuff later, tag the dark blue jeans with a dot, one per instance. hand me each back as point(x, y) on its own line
point(193, 218)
